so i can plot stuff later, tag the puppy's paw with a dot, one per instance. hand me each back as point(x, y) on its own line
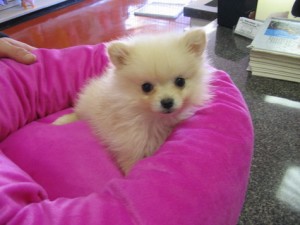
point(65, 119)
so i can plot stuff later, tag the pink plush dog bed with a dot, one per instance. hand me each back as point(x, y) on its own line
point(63, 175)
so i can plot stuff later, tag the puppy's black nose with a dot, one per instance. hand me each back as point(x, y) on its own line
point(167, 103)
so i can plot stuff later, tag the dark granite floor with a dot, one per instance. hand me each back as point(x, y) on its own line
point(273, 195)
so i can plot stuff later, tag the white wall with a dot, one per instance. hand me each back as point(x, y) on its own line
point(267, 7)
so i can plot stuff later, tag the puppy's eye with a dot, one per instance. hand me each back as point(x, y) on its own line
point(180, 82)
point(147, 87)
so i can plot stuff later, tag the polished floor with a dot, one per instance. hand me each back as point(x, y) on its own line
point(90, 22)
point(273, 196)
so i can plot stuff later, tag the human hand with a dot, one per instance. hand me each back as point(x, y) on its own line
point(19, 51)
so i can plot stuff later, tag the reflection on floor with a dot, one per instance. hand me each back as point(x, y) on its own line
point(289, 189)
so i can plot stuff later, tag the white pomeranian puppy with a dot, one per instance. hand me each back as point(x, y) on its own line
point(154, 82)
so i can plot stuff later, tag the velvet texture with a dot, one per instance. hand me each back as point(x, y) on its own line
point(63, 175)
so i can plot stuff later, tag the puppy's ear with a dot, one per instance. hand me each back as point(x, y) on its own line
point(195, 41)
point(118, 53)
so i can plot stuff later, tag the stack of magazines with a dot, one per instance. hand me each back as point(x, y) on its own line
point(275, 50)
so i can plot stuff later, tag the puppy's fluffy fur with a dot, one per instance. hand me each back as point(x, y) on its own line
point(154, 82)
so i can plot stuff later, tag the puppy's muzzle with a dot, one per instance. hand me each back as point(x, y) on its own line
point(167, 104)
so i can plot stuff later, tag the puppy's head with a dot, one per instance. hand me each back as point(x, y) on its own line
point(161, 73)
